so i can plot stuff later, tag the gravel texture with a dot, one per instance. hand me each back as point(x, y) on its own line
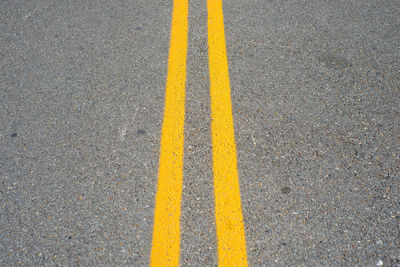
point(315, 94)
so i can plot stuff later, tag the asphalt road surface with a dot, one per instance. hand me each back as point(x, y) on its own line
point(315, 102)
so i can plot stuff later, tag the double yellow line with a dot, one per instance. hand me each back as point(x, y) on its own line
point(228, 211)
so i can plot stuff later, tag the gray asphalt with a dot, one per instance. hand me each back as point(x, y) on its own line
point(316, 105)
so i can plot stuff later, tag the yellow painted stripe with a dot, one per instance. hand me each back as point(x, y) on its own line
point(228, 211)
point(166, 231)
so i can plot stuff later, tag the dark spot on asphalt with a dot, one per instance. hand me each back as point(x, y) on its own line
point(138, 28)
point(284, 244)
point(141, 132)
point(333, 61)
point(285, 190)
point(70, 237)
point(13, 135)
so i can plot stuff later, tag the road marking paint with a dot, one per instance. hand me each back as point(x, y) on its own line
point(166, 231)
point(228, 211)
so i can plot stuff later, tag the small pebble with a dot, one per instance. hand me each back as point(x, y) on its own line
point(379, 263)
point(13, 135)
point(141, 132)
point(286, 190)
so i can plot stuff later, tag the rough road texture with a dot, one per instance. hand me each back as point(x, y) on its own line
point(315, 95)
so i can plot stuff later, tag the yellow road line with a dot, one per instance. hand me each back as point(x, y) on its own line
point(166, 231)
point(228, 211)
